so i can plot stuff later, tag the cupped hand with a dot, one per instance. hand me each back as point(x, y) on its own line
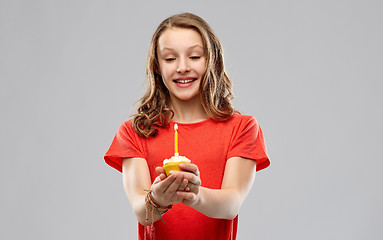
point(162, 174)
point(191, 174)
point(164, 189)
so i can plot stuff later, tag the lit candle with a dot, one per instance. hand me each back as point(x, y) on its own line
point(176, 140)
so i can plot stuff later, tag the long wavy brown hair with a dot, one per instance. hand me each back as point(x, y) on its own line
point(215, 88)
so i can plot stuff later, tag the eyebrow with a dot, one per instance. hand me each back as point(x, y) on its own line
point(194, 46)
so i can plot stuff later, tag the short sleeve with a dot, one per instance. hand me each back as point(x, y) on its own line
point(126, 144)
point(249, 142)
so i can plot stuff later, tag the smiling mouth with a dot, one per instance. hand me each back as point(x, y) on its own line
point(184, 81)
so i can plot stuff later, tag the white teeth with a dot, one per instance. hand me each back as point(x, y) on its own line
point(185, 81)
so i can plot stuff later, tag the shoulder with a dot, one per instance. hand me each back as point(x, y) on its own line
point(127, 126)
point(241, 119)
point(126, 129)
point(240, 124)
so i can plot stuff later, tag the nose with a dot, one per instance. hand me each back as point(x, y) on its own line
point(183, 66)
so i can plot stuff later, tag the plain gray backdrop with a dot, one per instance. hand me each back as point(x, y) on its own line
point(310, 71)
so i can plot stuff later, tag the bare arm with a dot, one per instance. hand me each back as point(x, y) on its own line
point(136, 179)
point(225, 202)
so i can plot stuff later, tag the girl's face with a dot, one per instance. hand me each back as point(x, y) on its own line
point(182, 62)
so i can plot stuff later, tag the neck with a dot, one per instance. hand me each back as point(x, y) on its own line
point(189, 111)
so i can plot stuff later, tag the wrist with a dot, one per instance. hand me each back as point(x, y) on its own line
point(157, 200)
point(151, 199)
point(153, 209)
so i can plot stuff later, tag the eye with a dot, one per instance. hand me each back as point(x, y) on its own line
point(170, 59)
point(195, 57)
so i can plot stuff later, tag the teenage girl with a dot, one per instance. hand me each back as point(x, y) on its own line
point(188, 86)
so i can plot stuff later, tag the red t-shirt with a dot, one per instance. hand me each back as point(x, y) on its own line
point(208, 144)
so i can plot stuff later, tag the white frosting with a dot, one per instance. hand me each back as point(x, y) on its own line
point(176, 159)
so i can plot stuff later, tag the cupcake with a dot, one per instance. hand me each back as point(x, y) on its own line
point(174, 162)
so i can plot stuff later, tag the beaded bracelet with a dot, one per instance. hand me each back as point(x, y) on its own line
point(152, 207)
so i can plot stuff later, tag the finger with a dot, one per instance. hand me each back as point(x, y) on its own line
point(162, 176)
point(183, 185)
point(192, 178)
point(189, 167)
point(158, 179)
point(186, 195)
point(162, 186)
point(160, 170)
point(192, 188)
point(173, 187)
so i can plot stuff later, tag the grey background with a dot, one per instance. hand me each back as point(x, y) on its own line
point(310, 71)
